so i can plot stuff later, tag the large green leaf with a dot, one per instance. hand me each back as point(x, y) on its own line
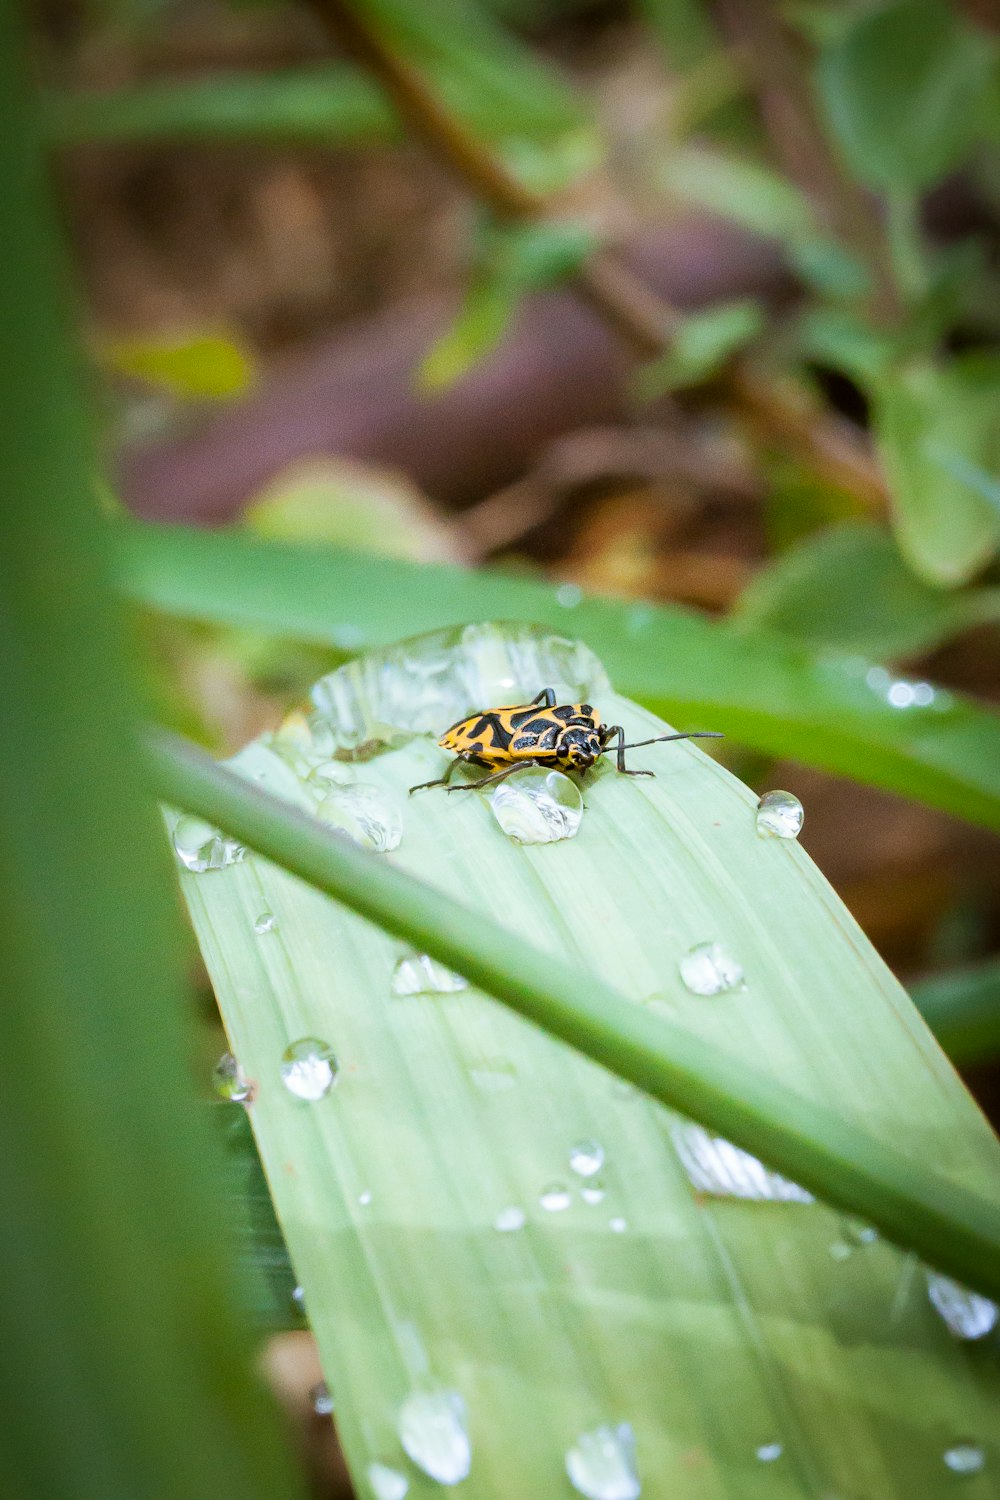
point(125, 1367)
point(825, 709)
point(848, 587)
point(452, 1257)
point(905, 91)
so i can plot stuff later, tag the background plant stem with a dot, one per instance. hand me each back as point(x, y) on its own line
point(605, 282)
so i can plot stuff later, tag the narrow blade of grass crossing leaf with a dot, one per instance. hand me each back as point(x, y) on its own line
point(963, 1010)
point(125, 1366)
point(648, 1304)
point(769, 693)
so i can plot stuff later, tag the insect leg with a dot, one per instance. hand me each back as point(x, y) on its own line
point(546, 697)
point(472, 786)
point(442, 780)
point(612, 732)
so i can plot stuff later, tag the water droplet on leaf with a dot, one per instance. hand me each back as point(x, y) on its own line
point(593, 1191)
point(365, 813)
point(322, 1401)
point(618, 1225)
point(710, 969)
point(587, 1157)
point(509, 1219)
point(716, 1166)
point(968, 1314)
point(419, 974)
point(432, 1430)
point(964, 1458)
point(230, 1080)
point(768, 1452)
point(780, 815)
point(309, 1069)
point(601, 1464)
point(200, 847)
point(266, 922)
point(555, 1197)
point(569, 595)
point(386, 1483)
point(537, 806)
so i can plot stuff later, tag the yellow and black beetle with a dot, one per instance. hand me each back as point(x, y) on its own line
point(561, 736)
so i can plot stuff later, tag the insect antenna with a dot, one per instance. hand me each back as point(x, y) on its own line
point(695, 734)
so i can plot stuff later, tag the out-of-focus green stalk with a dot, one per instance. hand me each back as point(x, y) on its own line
point(962, 1008)
point(125, 1371)
point(955, 1230)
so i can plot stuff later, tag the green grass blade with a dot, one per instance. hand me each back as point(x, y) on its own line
point(332, 104)
point(753, 1344)
point(962, 1008)
point(780, 697)
point(125, 1368)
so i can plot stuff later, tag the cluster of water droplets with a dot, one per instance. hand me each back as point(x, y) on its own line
point(900, 692)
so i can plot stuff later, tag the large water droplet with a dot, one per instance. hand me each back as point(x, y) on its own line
point(386, 1483)
point(266, 922)
point(593, 1191)
point(964, 1458)
point(587, 1157)
point(538, 806)
point(768, 1452)
point(710, 969)
point(322, 1401)
point(601, 1464)
point(419, 974)
point(201, 847)
point(309, 1069)
point(509, 1219)
point(716, 1166)
point(230, 1080)
point(967, 1314)
point(365, 813)
point(780, 815)
point(555, 1197)
point(432, 1430)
